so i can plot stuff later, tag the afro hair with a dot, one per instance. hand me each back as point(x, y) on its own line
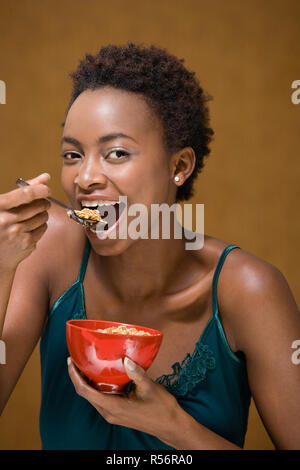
point(170, 89)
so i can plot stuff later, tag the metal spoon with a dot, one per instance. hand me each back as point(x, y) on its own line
point(71, 213)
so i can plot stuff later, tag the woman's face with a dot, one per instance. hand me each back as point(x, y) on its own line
point(113, 146)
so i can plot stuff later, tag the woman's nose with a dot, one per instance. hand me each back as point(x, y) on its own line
point(90, 173)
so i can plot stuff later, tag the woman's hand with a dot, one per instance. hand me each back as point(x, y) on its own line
point(148, 408)
point(23, 221)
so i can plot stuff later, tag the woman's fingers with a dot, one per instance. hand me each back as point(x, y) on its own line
point(81, 386)
point(26, 194)
point(146, 410)
point(22, 243)
point(37, 234)
point(27, 211)
point(136, 373)
point(44, 178)
point(35, 222)
point(101, 400)
point(23, 220)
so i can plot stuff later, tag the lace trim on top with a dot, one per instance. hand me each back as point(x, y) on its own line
point(192, 370)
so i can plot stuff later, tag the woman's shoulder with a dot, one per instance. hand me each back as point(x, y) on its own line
point(247, 285)
point(239, 271)
point(237, 264)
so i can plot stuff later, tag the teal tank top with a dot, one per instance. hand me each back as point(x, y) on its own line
point(211, 384)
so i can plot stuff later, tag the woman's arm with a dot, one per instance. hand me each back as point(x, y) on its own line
point(28, 302)
point(23, 217)
point(24, 320)
point(264, 321)
point(150, 408)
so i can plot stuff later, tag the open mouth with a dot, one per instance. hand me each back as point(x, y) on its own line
point(109, 212)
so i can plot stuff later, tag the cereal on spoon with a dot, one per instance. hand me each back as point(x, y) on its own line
point(91, 214)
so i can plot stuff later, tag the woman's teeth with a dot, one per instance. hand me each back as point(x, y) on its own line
point(97, 203)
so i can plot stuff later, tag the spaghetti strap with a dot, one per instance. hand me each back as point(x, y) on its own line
point(84, 261)
point(216, 276)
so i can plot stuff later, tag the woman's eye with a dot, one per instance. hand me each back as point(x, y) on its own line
point(70, 155)
point(117, 154)
point(113, 155)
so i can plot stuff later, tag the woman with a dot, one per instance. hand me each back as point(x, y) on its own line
point(137, 126)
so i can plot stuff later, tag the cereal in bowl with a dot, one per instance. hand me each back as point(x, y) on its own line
point(124, 330)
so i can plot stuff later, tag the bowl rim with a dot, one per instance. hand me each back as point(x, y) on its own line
point(146, 328)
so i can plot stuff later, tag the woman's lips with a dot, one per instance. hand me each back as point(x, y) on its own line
point(96, 197)
point(102, 234)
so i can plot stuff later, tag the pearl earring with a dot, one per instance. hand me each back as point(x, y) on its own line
point(176, 178)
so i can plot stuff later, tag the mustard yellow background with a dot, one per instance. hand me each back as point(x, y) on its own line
point(246, 54)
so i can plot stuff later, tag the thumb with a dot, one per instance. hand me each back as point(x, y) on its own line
point(41, 179)
point(137, 374)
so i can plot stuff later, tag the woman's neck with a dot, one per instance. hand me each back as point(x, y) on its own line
point(143, 270)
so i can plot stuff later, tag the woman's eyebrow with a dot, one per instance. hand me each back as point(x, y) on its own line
point(100, 140)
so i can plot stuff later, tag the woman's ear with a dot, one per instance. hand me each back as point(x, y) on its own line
point(182, 164)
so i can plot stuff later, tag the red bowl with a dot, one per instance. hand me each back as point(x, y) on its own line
point(100, 355)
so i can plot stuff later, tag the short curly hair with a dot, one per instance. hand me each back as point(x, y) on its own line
point(169, 88)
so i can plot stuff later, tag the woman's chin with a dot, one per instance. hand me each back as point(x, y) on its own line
point(106, 246)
